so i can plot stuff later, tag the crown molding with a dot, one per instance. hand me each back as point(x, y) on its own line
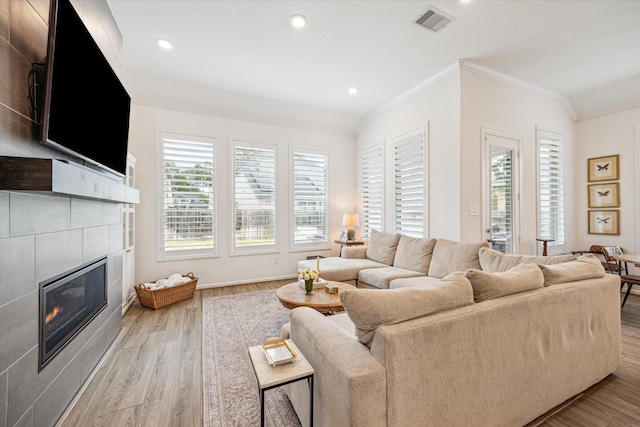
point(608, 112)
point(469, 65)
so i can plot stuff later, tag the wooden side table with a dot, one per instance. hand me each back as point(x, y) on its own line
point(544, 245)
point(275, 376)
point(349, 242)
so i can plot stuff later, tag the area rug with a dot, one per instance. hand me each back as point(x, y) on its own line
point(232, 324)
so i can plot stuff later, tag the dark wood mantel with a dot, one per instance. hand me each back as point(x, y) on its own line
point(62, 177)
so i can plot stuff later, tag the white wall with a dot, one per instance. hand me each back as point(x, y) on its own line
point(147, 121)
point(602, 136)
point(502, 105)
point(438, 105)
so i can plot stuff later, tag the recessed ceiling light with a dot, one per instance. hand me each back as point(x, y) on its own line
point(353, 90)
point(298, 20)
point(163, 43)
point(464, 1)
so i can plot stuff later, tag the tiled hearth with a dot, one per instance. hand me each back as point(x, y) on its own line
point(42, 236)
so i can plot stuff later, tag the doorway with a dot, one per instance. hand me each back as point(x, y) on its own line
point(501, 194)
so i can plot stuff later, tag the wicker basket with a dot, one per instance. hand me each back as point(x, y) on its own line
point(162, 297)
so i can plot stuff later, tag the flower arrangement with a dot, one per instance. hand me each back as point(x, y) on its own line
point(308, 275)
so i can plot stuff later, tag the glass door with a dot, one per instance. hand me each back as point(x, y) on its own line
point(500, 195)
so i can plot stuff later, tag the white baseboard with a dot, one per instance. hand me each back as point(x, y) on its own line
point(244, 282)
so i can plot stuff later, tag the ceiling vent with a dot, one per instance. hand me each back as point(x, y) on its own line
point(434, 19)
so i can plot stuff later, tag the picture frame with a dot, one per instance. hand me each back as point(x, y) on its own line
point(604, 195)
point(343, 235)
point(604, 222)
point(603, 168)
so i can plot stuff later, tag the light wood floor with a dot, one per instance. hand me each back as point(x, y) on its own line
point(153, 375)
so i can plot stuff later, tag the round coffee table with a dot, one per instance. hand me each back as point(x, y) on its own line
point(292, 296)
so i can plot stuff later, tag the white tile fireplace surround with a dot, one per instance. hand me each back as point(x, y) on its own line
point(42, 236)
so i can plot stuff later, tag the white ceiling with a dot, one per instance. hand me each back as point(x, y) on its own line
point(587, 51)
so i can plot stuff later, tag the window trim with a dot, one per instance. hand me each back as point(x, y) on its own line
point(252, 250)
point(161, 255)
point(293, 247)
point(553, 247)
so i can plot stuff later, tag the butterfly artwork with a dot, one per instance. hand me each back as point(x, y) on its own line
point(604, 222)
point(603, 168)
point(604, 195)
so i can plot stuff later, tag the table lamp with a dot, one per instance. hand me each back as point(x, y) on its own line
point(351, 220)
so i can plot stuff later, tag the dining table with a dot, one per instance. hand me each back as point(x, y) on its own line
point(633, 258)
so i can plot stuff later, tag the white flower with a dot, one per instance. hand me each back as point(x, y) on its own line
point(308, 274)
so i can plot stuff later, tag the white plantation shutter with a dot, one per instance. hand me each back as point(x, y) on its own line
point(551, 187)
point(409, 184)
point(310, 197)
point(372, 189)
point(254, 196)
point(188, 196)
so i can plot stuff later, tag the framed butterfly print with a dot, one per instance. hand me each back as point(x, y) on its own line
point(603, 168)
point(604, 195)
point(604, 222)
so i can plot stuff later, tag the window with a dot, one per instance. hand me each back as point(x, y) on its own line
point(188, 204)
point(372, 189)
point(409, 184)
point(551, 187)
point(254, 197)
point(310, 198)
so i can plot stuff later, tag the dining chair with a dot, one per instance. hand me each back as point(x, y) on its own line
point(610, 263)
point(609, 253)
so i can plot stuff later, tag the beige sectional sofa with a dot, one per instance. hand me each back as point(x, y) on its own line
point(396, 260)
point(498, 344)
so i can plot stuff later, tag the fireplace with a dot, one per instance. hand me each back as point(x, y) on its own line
point(68, 303)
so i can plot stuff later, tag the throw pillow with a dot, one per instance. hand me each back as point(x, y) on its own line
point(370, 308)
point(414, 253)
point(587, 266)
point(449, 256)
point(494, 261)
point(382, 247)
point(521, 278)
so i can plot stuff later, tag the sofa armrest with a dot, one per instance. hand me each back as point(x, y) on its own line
point(350, 384)
point(357, 252)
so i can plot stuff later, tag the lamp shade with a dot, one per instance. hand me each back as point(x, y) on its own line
point(351, 220)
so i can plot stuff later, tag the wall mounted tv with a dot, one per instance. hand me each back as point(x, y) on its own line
point(85, 110)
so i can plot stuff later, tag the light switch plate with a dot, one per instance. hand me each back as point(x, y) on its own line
point(473, 210)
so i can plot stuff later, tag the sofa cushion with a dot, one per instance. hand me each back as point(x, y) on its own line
point(370, 308)
point(382, 247)
point(414, 253)
point(449, 256)
point(587, 266)
point(521, 278)
point(340, 269)
point(414, 282)
point(494, 261)
point(380, 277)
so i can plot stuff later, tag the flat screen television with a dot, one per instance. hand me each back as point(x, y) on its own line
point(85, 111)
